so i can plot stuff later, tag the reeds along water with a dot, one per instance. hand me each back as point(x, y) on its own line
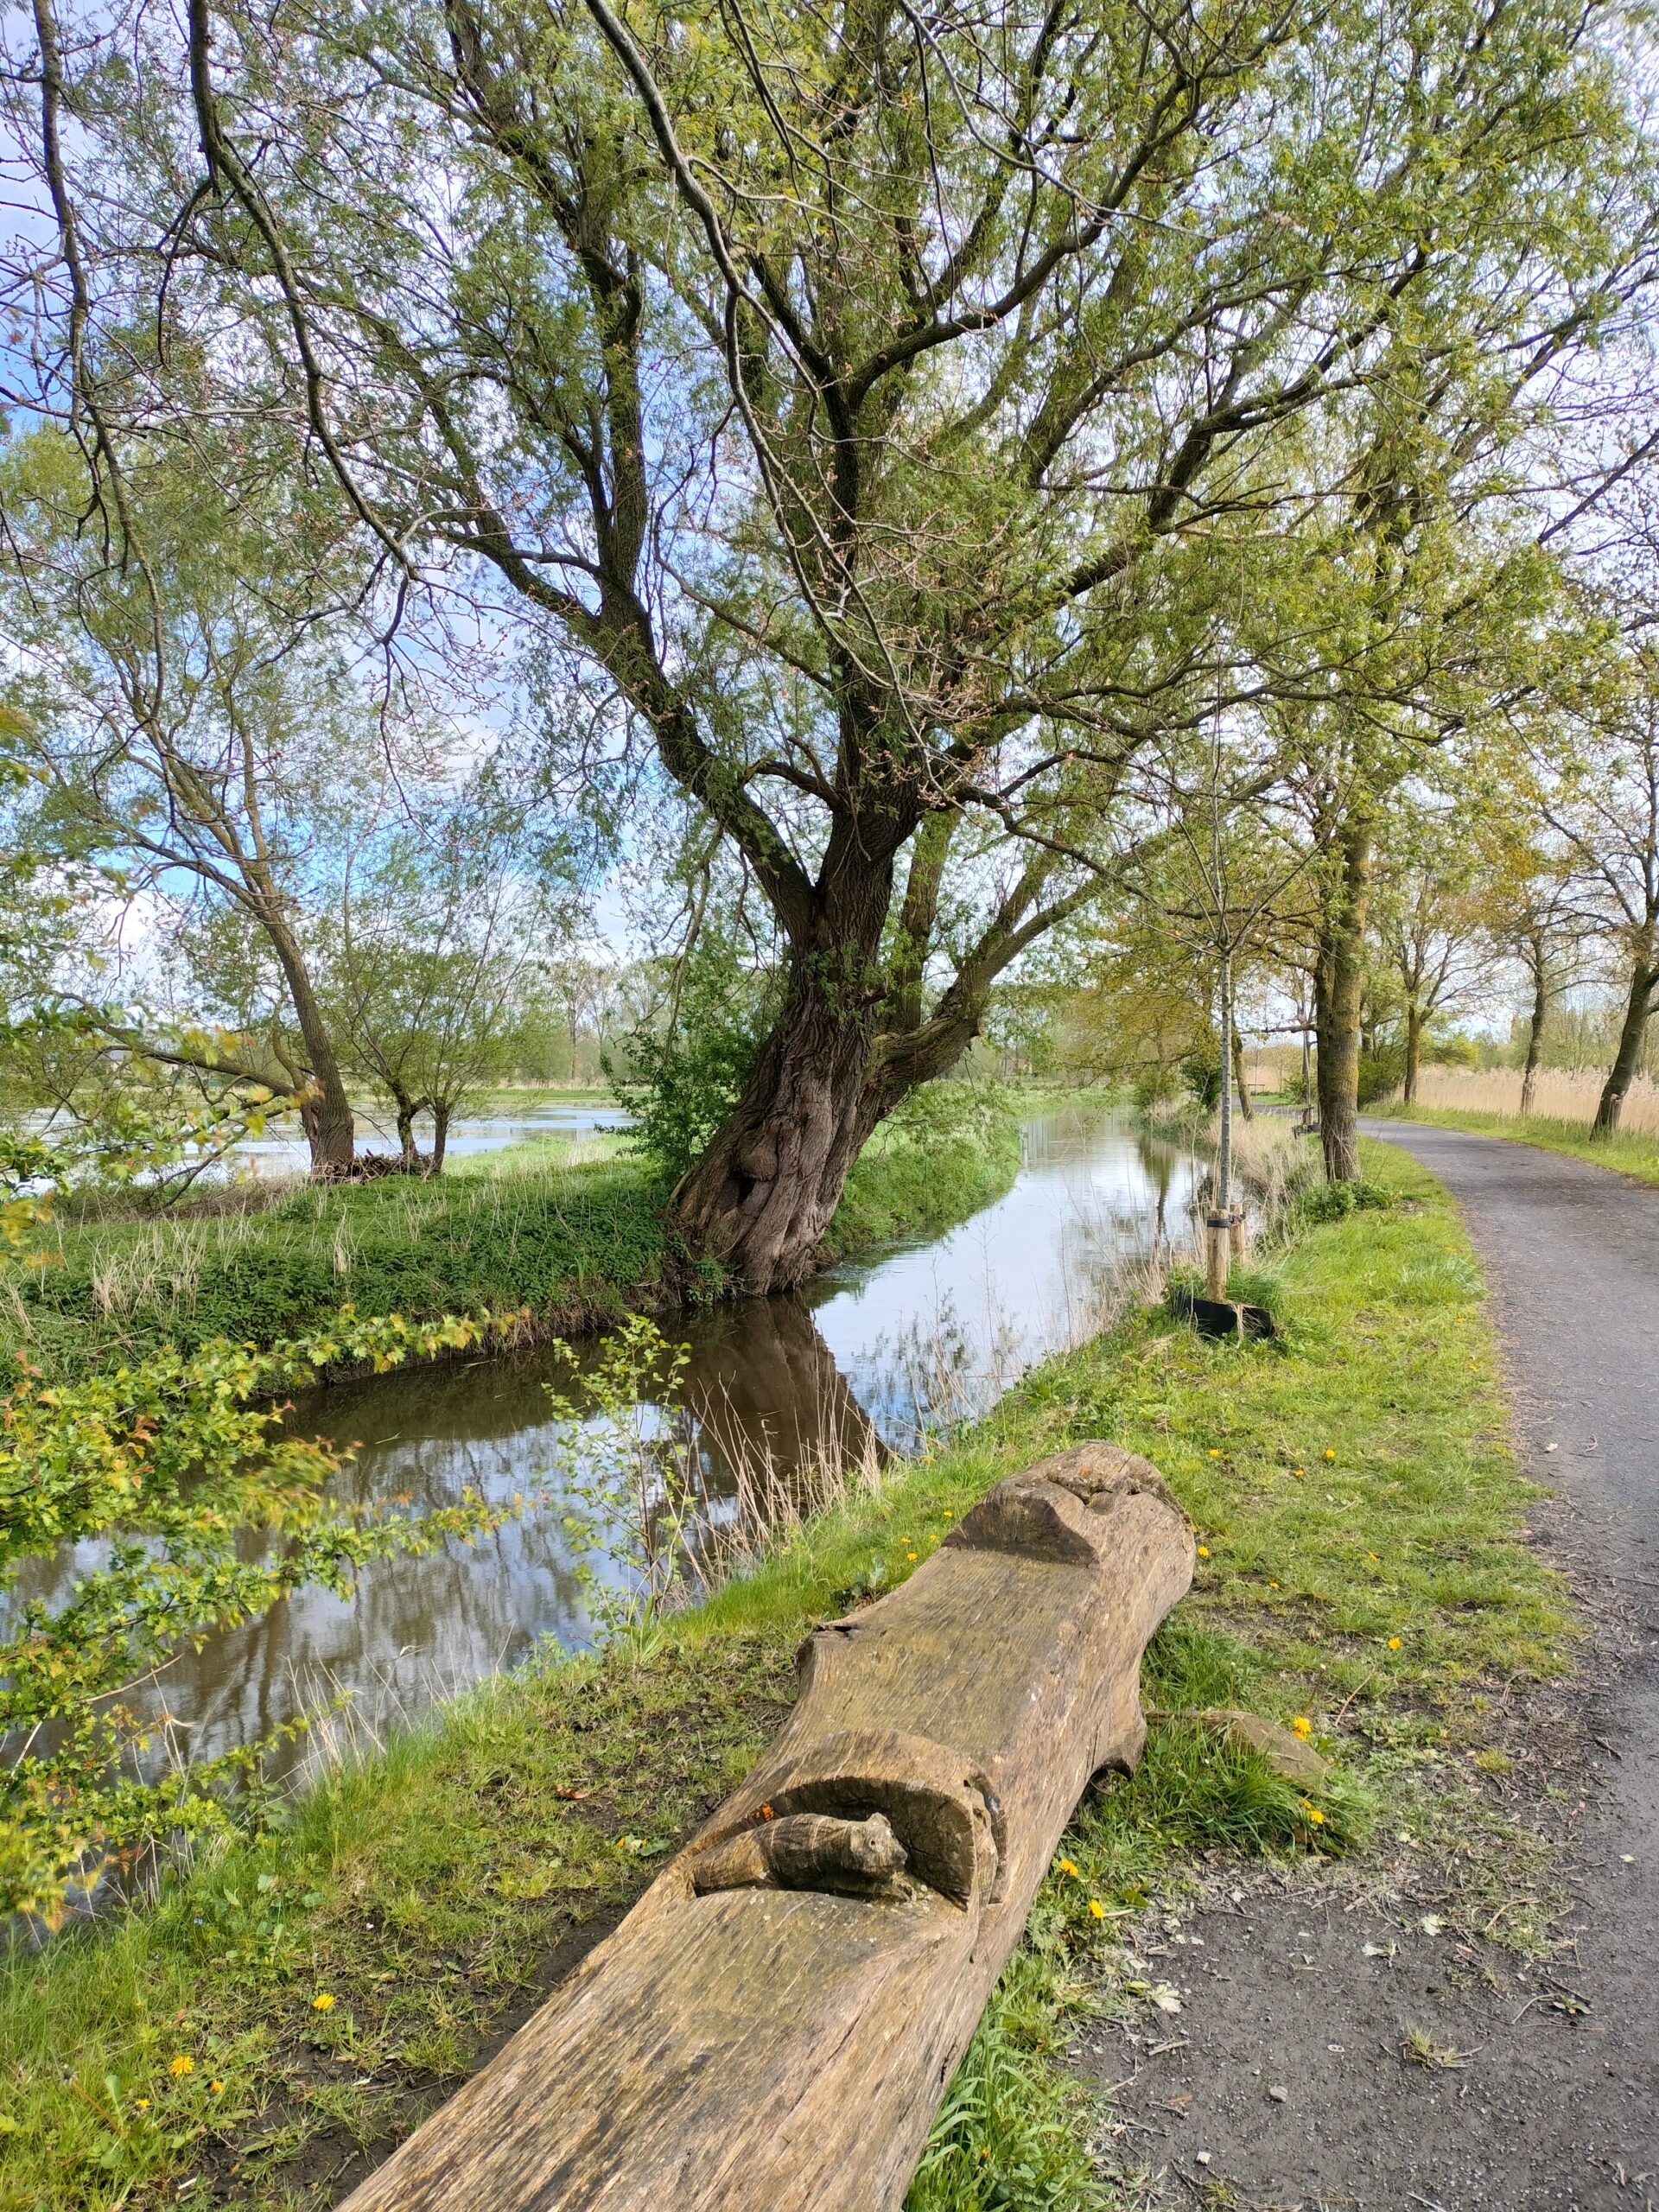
point(1558, 1094)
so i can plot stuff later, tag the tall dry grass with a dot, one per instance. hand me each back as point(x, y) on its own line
point(1560, 1095)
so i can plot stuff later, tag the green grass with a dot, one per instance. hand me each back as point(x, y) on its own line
point(1631, 1152)
point(910, 1184)
point(1361, 1518)
point(578, 1243)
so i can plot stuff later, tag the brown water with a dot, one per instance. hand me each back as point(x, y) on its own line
point(876, 1352)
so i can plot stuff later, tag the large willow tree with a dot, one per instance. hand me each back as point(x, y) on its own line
point(876, 400)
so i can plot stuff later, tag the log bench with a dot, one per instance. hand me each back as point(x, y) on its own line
point(775, 2023)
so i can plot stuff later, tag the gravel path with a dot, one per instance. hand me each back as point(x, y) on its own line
point(1281, 2084)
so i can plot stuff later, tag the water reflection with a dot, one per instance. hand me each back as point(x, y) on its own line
point(873, 1354)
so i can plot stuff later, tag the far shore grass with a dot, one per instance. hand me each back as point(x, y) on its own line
point(1630, 1153)
point(294, 2005)
point(570, 1228)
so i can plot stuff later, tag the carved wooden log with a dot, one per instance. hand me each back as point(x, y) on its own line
point(775, 2022)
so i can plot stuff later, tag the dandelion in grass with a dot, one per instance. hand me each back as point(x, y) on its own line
point(216, 2089)
point(322, 2002)
point(141, 2104)
point(1314, 1813)
point(1393, 1644)
point(1204, 1551)
point(181, 2065)
point(1329, 1453)
point(1303, 1726)
point(1065, 1865)
point(1096, 1908)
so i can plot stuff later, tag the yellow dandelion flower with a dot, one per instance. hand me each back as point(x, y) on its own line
point(181, 2065)
point(141, 2104)
point(216, 2089)
point(322, 2002)
point(1299, 1472)
point(1393, 1644)
point(1303, 1726)
point(1097, 1908)
point(1315, 1816)
point(1065, 1865)
point(1204, 1551)
point(1329, 1453)
point(1214, 1454)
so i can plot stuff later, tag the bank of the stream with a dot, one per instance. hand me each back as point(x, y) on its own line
point(576, 1240)
point(1629, 1151)
point(294, 2005)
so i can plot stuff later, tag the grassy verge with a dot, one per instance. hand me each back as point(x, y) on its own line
point(577, 1238)
point(916, 1179)
point(1362, 1565)
point(1630, 1151)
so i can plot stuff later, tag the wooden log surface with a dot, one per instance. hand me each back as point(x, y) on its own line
point(776, 2021)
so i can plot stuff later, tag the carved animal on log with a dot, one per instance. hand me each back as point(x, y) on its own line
point(776, 2021)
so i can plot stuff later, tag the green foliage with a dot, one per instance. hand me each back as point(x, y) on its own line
point(1201, 1078)
point(1382, 1069)
point(567, 1241)
point(1318, 1202)
point(681, 1079)
point(634, 1485)
point(951, 1148)
point(204, 1513)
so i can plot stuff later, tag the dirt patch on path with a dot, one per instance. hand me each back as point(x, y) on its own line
point(1333, 2050)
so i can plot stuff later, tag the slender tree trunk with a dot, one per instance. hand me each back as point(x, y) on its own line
point(440, 1136)
point(761, 1195)
point(1339, 982)
point(1414, 1048)
point(1644, 976)
point(1247, 1110)
point(330, 1127)
point(1536, 1035)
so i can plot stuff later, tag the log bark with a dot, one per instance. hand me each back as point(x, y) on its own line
point(776, 2021)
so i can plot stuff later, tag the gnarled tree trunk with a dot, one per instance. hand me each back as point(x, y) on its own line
point(762, 1197)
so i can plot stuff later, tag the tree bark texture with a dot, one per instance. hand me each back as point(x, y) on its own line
point(761, 1197)
point(326, 1118)
point(1539, 964)
point(1339, 984)
point(775, 2023)
point(1644, 982)
point(1246, 1107)
point(1414, 1048)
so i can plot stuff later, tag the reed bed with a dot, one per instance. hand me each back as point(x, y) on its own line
point(1558, 1094)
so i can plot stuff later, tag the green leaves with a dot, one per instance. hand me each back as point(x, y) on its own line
point(202, 1511)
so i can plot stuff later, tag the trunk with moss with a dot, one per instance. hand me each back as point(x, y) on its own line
point(1639, 1006)
point(1414, 1048)
point(1339, 985)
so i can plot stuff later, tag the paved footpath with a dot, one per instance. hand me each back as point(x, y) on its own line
point(1284, 2067)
